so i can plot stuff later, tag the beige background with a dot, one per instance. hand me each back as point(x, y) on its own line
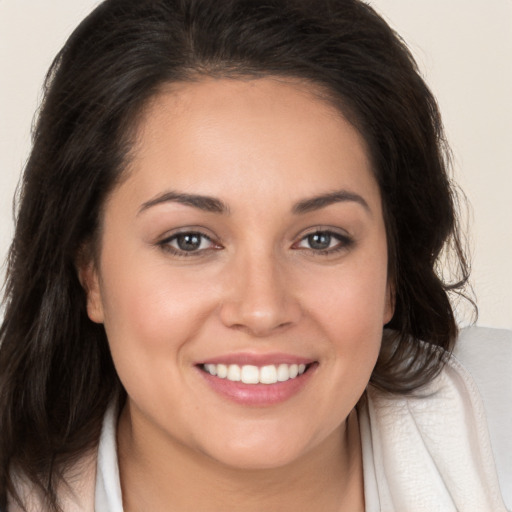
point(464, 48)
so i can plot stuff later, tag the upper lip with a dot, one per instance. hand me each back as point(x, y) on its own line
point(257, 359)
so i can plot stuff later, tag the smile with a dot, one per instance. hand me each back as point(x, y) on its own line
point(257, 380)
point(250, 374)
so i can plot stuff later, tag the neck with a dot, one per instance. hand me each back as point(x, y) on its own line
point(328, 477)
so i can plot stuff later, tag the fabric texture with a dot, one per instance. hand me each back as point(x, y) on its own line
point(430, 452)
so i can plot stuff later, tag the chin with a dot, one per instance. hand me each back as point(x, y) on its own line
point(258, 460)
point(268, 451)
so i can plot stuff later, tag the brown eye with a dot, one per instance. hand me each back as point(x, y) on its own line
point(189, 241)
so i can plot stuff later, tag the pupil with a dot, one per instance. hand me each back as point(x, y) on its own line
point(319, 241)
point(189, 242)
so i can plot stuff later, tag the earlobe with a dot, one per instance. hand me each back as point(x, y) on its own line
point(89, 279)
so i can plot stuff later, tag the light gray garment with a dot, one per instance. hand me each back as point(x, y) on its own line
point(433, 453)
point(487, 355)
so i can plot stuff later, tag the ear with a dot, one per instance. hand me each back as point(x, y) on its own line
point(90, 281)
point(389, 309)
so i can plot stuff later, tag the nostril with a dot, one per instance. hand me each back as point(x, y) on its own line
point(259, 304)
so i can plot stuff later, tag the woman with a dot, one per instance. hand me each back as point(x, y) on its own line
point(222, 289)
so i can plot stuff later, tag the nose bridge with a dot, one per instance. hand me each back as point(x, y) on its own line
point(259, 297)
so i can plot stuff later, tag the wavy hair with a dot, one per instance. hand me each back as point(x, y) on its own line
point(56, 373)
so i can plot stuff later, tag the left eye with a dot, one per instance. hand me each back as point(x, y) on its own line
point(188, 242)
point(323, 241)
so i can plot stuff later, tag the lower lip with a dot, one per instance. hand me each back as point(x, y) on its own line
point(259, 394)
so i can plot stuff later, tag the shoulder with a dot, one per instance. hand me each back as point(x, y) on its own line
point(439, 436)
point(487, 355)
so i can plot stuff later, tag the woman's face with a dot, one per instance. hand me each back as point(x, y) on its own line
point(247, 242)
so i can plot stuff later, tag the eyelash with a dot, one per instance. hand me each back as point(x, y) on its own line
point(344, 243)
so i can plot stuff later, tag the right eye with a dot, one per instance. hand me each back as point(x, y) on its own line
point(188, 243)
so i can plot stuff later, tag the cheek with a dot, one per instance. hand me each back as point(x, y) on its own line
point(354, 296)
point(152, 307)
point(151, 315)
point(351, 309)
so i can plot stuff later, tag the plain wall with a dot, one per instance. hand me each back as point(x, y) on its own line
point(463, 47)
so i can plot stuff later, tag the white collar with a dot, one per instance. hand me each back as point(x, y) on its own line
point(108, 497)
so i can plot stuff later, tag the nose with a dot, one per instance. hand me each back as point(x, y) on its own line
point(259, 296)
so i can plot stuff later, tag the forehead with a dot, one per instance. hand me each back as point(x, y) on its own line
point(218, 134)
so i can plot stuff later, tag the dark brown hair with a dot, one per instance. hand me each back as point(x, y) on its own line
point(56, 373)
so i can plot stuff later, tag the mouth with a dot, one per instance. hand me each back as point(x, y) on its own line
point(251, 374)
point(259, 384)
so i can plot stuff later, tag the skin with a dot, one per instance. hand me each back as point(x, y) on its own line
point(255, 285)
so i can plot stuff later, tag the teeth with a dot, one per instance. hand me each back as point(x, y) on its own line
point(268, 374)
point(250, 374)
point(222, 371)
point(211, 369)
point(283, 372)
point(234, 373)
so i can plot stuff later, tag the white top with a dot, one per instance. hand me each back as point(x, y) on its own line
point(423, 453)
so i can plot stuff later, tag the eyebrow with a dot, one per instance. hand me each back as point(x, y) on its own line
point(205, 203)
point(323, 200)
point(214, 205)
